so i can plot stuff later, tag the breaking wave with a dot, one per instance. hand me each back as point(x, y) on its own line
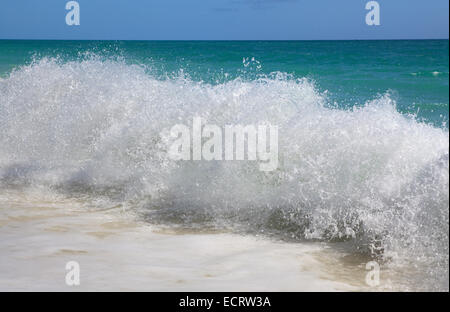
point(369, 175)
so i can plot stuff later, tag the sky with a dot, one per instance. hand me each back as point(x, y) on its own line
point(224, 20)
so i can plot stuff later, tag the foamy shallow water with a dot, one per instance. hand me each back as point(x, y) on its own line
point(117, 253)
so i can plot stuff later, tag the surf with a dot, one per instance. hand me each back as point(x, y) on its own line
point(366, 175)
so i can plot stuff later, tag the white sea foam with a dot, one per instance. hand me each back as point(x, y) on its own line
point(369, 175)
point(41, 232)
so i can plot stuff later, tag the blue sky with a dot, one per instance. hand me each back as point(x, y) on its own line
point(223, 19)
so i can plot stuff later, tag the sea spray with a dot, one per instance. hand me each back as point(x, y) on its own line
point(368, 175)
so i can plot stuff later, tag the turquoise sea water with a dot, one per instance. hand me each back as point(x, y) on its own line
point(363, 138)
point(414, 72)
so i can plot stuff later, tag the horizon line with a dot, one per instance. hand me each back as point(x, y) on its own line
point(58, 39)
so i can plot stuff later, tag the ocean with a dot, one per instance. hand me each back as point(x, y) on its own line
point(363, 172)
